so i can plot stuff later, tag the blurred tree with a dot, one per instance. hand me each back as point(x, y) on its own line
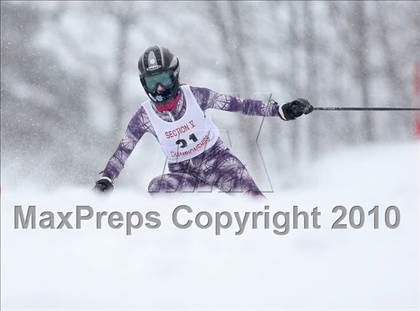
point(340, 47)
point(228, 19)
point(362, 67)
point(104, 64)
point(124, 17)
point(44, 119)
point(400, 90)
point(310, 45)
point(294, 65)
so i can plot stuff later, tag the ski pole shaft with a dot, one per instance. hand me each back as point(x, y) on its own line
point(366, 109)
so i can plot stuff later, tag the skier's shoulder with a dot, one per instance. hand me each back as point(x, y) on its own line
point(199, 92)
point(195, 88)
point(140, 113)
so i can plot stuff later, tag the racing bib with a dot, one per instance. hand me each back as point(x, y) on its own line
point(187, 137)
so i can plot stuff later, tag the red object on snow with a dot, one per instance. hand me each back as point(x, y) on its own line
point(416, 98)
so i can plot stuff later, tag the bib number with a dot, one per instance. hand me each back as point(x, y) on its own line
point(184, 143)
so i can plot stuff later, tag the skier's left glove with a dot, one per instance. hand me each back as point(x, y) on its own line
point(294, 109)
point(104, 185)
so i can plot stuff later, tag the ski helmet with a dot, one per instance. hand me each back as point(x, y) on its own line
point(158, 66)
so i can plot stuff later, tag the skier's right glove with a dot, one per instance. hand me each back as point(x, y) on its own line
point(294, 109)
point(104, 185)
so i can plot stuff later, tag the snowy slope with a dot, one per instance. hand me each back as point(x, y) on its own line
point(170, 268)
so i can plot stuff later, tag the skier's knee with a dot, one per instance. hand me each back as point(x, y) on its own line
point(161, 184)
point(238, 180)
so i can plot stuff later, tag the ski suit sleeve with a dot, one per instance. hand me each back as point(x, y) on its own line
point(138, 125)
point(209, 99)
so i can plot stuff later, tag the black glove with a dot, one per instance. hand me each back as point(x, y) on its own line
point(294, 109)
point(104, 185)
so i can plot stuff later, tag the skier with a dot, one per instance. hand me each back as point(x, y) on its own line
point(176, 116)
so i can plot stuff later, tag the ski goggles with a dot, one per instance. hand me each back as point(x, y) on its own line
point(163, 78)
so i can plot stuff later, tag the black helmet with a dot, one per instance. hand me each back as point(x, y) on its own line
point(157, 66)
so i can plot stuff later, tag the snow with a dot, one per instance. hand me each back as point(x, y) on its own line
point(171, 268)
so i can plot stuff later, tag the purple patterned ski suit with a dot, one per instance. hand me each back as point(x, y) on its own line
point(215, 167)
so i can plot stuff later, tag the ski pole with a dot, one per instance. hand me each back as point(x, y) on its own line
point(367, 108)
